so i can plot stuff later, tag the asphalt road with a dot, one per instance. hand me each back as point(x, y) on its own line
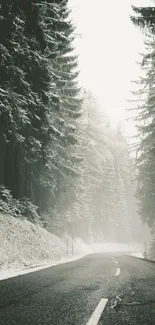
point(69, 294)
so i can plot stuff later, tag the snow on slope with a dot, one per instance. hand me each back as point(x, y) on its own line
point(24, 245)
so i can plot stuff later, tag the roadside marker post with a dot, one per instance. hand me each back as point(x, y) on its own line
point(67, 246)
point(72, 245)
point(145, 252)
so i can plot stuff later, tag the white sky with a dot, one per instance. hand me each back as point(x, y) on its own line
point(108, 50)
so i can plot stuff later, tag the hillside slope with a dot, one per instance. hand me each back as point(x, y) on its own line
point(25, 245)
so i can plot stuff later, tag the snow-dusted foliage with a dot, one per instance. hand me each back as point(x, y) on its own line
point(59, 159)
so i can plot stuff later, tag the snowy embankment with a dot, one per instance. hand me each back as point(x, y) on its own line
point(25, 246)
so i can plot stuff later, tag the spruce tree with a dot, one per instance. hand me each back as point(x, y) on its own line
point(39, 99)
point(145, 18)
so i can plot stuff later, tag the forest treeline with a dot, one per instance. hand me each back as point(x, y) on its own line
point(61, 163)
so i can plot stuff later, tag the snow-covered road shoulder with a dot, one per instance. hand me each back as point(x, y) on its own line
point(137, 254)
point(25, 247)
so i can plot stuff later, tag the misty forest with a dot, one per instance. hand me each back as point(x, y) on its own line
point(62, 164)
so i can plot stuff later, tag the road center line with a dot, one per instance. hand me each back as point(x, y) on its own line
point(98, 312)
point(118, 271)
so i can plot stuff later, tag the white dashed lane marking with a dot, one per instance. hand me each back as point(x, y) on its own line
point(98, 312)
point(118, 271)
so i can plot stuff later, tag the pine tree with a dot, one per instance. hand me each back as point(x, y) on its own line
point(24, 78)
point(144, 17)
point(66, 106)
point(145, 163)
point(146, 121)
point(39, 99)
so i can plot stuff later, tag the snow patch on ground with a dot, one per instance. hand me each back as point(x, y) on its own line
point(109, 247)
point(132, 249)
point(136, 254)
point(11, 273)
point(25, 247)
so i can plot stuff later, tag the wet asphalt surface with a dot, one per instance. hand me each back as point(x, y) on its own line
point(69, 293)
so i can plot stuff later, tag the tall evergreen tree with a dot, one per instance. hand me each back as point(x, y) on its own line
point(39, 98)
point(66, 105)
point(145, 18)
